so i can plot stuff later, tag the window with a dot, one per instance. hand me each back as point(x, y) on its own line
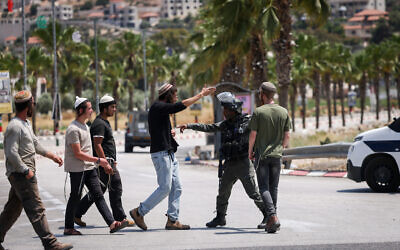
point(187, 7)
point(172, 7)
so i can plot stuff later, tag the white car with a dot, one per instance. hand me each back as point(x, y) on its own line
point(375, 157)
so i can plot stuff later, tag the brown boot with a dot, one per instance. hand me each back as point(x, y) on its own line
point(79, 222)
point(60, 246)
point(273, 224)
point(139, 220)
point(175, 225)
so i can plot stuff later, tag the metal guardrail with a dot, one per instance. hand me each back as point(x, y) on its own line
point(332, 150)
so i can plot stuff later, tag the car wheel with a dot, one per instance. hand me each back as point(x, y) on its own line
point(382, 175)
point(128, 148)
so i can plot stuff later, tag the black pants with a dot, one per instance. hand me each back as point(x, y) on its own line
point(90, 179)
point(115, 194)
point(243, 170)
point(268, 173)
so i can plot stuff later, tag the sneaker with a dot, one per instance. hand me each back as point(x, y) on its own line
point(59, 246)
point(72, 231)
point(175, 225)
point(139, 220)
point(118, 226)
point(273, 224)
point(79, 222)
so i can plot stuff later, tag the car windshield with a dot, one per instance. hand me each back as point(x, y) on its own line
point(395, 125)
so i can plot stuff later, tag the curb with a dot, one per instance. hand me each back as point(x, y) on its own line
point(291, 172)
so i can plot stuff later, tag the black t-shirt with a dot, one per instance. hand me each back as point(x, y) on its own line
point(102, 128)
point(160, 126)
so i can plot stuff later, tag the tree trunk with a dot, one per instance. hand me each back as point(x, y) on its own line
point(116, 98)
point(34, 110)
point(341, 93)
point(153, 86)
point(231, 71)
point(130, 100)
point(257, 60)
point(376, 87)
point(362, 96)
point(317, 93)
point(398, 91)
point(327, 80)
point(303, 102)
point(293, 105)
point(334, 99)
point(387, 86)
point(78, 87)
point(282, 49)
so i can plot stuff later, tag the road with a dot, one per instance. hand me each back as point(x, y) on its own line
point(315, 213)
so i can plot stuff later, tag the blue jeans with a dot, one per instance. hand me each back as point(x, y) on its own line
point(167, 169)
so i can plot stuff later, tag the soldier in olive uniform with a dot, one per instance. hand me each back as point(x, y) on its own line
point(234, 147)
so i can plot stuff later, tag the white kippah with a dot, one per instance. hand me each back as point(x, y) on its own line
point(106, 99)
point(79, 100)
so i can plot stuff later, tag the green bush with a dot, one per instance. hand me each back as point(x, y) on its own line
point(67, 102)
point(44, 104)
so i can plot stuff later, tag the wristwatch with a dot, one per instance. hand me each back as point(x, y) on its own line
point(98, 160)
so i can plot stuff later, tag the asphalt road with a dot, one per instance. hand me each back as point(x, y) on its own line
point(316, 213)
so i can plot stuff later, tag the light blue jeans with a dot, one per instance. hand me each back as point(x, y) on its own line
point(167, 169)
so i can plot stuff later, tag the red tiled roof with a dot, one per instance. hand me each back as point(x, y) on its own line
point(376, 18)
point(116, 1)
point(34, 40)
point(149, 14)
point(10, 38)
point(356, 19)
point(371, 13)
point(96, 14)
point(352, 27)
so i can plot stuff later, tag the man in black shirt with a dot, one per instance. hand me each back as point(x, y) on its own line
point(162, 149)
point(104, 147)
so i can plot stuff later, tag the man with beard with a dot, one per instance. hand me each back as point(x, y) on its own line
point(270, 125)
point(162, 149)
point(234, 147)
point(20, 147)
point(104, 147)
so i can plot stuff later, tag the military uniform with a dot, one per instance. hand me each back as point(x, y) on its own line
point(234, 140)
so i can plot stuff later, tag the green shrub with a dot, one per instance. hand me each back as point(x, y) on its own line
point(44, 104)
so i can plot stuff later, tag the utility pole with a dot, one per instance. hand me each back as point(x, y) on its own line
point(24, 40)
point(144, 68)
point(97, 67)
point(56, 101)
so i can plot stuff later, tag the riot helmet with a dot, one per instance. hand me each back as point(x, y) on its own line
point(229, 101)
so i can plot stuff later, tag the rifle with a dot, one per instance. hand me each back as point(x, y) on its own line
point(220, 166)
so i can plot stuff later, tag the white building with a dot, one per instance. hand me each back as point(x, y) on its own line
point(63, 12)
point(180, 8)
point(123, 15)
point(347, 8)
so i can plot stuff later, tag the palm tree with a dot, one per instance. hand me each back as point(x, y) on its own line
point(361, 64)
point(374, 73)
point(156, 66)
point(327, 70)
point(387, 65)
point(129, 47)
point(38, 64)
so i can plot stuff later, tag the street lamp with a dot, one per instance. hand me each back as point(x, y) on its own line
point(144, 67)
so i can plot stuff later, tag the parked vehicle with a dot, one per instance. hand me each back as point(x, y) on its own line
point(137, 131)
point(374, 157)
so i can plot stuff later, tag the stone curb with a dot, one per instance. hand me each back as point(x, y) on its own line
point(292, 172)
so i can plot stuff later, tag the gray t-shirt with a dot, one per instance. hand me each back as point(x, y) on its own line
point(77, 133)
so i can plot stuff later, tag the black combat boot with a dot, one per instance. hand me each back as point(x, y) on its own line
point(263, 223)
point(217, 221)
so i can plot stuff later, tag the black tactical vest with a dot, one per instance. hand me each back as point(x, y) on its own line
point(235, 137)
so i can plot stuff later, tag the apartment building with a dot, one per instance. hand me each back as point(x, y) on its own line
point(180, 8)
point(347, 8)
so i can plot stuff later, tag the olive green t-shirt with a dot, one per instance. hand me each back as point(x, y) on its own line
point(271, 121)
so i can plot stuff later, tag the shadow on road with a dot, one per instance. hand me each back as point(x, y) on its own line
point(362, 190)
